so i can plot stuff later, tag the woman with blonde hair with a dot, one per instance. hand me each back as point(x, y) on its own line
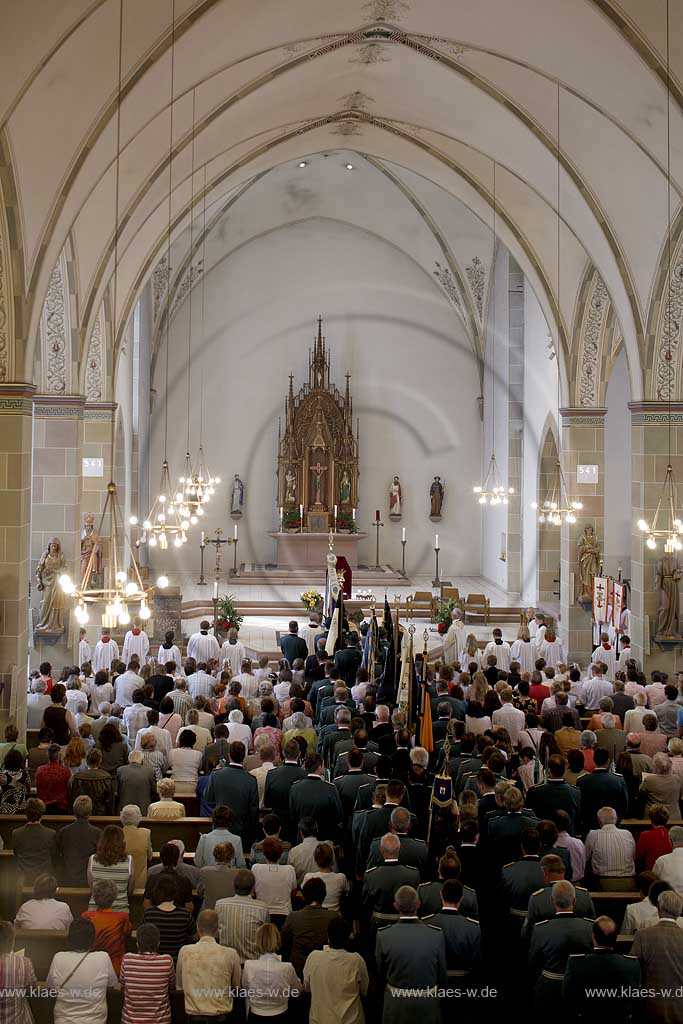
point(479, 687)
point(270, 978)
point(74, 755)
point(524, 650)
point(470, 651)
point(675, 748)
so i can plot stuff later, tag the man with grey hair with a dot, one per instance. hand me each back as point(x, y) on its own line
point(136, 783)
point(552, 942)
point(36, 702)
point(662, 786)
point(611, 736)
point(207, 973)
point(660, 952)
point(669, 867)
point(382, 881)
point(540, 905)
point(610, 851)
point(413, 852)
point(76, 843)
point(411, 964)
point(332, 734)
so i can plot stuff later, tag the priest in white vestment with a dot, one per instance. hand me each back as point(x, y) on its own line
point(311, 632)
point(233, 652)
point(501, 649)
point(106, 651)
point(168, 651)
point(203, 646)
point(523, 651)
point(84, 648)
point(604, 654)
point(454, 640)
point(551, 650)
point(135, 641)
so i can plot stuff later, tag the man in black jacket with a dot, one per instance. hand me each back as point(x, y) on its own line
point(239, 790)
point(292, 645)
point(279, 782)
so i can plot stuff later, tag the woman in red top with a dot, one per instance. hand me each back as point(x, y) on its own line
point(52, 782)
point(112, 927)
point(655, 842)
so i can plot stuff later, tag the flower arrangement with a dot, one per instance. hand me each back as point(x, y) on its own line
point(312, 600)
point(345, 522)
point(227, 616)
point(443, 615)
point(291, 520)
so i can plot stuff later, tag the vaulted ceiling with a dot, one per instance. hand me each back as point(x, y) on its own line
point(440, 91)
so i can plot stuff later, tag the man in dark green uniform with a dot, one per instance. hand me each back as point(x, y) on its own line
point(552, 943)
point(430, 892)
point(520, 879)
point(380, 883)
point(413, 852)
point(540, 902)
point(604, 968)
point(312, 797)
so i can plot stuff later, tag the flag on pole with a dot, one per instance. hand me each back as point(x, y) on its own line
point(387, 683)
point(601, 598)
point(335, 637)
point(426, 736)
point(442, 791)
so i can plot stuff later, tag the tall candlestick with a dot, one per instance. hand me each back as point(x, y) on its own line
point(301, 518)
point(203, 543)
point(353, 515)
point(403, 535)
point(282, 512)
point(436, 541)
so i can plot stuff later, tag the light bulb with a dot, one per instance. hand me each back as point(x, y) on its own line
point(578, 505)
point(120, 576)
point(651, 543)
point(131, 588)
point(147, 525)
point(534, 504)
point(185, 524)
point(216, 479)
point(66, 583)
point(482, 500)
point(178, 542)
point(184, 538)
point(133, 520)
point(179, 496)
point(152, 541)
point(476, 490)
point(541, 518)
point(144, 613)
point(181, 479)
point(162, 498)
point(194, 520)
point(161, 517)
point(200, 510)
point(642, 525)
point(162, 582)
point(124, 618)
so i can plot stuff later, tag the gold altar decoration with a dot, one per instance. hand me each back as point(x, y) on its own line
point(317, 465)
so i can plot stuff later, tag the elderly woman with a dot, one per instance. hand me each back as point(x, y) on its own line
point(202, 736)
point(299, 729)
point(633, 719)
point(589, 742)
point(138, 843)
point(153, 758)
point(662, 786)
point(675, 748)
point(238, 732)
point(166, 806)
point(185, 761)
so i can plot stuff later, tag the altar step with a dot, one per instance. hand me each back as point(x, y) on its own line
point(305, 576)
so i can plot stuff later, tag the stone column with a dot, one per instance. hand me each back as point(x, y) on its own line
point(56, 499)
point(97, 444)
point(143, 384)
point(16, 424)
point(583, 442)
point(515, 423)
point(650, 457)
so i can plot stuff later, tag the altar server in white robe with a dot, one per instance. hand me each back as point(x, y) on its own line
point(454, 640)
point(106, 651)
point(551, 649)
point(523, 650)
point(501, 649)
point(233, 653)
point(203, 646)
point(168, 651)
point(84, 648)
point(310, 632)
point(135, 641)
point(625, 654)
point(605, 655)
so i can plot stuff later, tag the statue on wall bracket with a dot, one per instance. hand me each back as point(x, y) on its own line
point(436, 499)
point(237, 497)
point(395, 499)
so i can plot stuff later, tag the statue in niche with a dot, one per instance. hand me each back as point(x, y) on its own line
point(395, 499)
point(345, 488)
point(53, 603)
point(436, 498)
point(290, 489)
point(667, 575)
point(237, 497)
point(91, 548)
point(590, 557)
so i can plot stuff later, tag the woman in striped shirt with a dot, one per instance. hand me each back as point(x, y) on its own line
point(175, 924)
point(110, 862)
point(146, 978)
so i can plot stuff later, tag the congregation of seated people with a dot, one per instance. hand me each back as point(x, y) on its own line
point(228, 840)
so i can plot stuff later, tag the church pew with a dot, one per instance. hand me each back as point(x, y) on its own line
point(613, 904)
point(40, 947)
point(187, 829)
point(78, 899)
point(43, 1008)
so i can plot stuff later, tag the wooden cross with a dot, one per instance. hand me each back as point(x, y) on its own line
point(599, 592)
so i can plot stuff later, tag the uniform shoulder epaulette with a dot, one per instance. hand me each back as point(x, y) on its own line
point(423, 884)
point(580, 888)
point(546, 920)
point(508, 865)
point(384, 927)
point(434, 927)
point(538, 892)
point(629, 956)
point(422, 841)
point(468, 888)
point(473, 920)
point(591, 920)
point(428, 917)
point(368, 870)
point(576, 956)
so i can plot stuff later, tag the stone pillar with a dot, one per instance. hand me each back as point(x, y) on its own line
point(515, 423)
point(583, 442)
point(16, 425)
point(97, 444)
point(56, 499)
point(143, 385)
point(650, 457)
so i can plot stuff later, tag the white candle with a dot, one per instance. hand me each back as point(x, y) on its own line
point(215, 590)
point(203, 541)
point(301, 513)
point(436, 541)
point(234, 532)
point(353, 515)
point(335, 514)
point(404, 534)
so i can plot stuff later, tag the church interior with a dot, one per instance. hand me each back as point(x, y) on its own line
point(400, 280)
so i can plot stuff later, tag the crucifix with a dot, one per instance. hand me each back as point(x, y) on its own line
point(318, 469)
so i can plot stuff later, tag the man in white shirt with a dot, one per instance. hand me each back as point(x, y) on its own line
point(267, 756)
point(509, 717)
point(501, 649)
point(163, 736)
point(611, 852)
point(135, 641)
point(84, 648)
point(594, 688)
point(669, 867)
point(247, 680)
point(44, 911)
point(232, 653)
point(135, 715)
point(126, 685)
point(106, 651)
point(311, 632)
point(200, 682)
point(207, 973)
point(202, 736)
point(203, 646)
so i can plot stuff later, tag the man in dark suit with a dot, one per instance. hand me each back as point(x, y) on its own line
point(555, 794)
point(503, 834)
point(412, 851)
point(292, 645)
point(312, 797)
point(236, 788)
point(326, 709)
point(348, 783)
point(75, 844)
point(314, 666)
point(554, 718)
point(604, 968)
point(349, 660)
point(457, 707)
point(440, 724)
point(378, 820)
point(279, 782)
point(621, 701)
point(659, 949)
point(383, 731)
point(337, 732)
point(34, 845)
point(219, 750)
point(601, 788)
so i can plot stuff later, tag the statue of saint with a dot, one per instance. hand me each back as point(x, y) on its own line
point(667, 575)
point(50, 567)
point(237, 497)
point(90, 542)
point(589, 560)
point(395, 498)
point(290, 488)
point(436, 498)
point(345, 488)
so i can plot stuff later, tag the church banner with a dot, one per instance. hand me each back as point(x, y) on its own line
point(617, 603)
point(601, 598)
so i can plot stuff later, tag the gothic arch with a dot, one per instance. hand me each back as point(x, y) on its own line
point(590, 336)
point(664, 356)
point(56, 361)
point(548, 554)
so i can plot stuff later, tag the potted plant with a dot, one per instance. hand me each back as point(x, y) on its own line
point(312, 600)
point(443, 615)
point(291, 520)
point(227, 616)
point(345, 522)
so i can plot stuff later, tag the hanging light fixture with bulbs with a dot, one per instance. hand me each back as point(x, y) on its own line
point(196, 484)
point(121, 588)
point(558, 507)
point(492, 490)
point(667, 522)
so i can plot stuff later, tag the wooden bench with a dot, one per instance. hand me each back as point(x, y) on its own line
point(40, 947)
point(163, 830)
point(477, 604)
point(43, 1008)
point(613, 904)
point(78, 899)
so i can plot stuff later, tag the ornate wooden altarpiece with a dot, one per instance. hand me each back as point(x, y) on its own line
point(317, 464)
